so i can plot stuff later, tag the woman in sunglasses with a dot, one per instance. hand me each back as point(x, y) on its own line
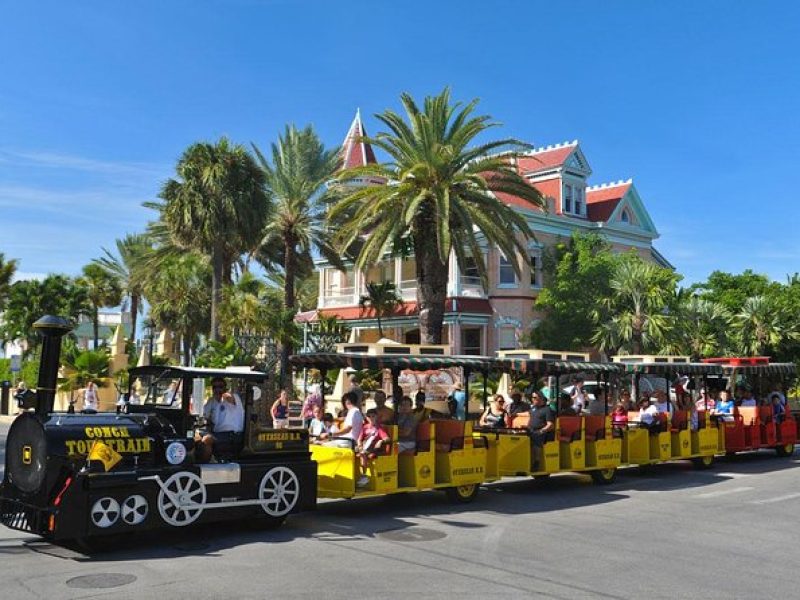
point(494, 417)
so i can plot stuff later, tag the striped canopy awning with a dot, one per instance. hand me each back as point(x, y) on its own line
point(333, 360)
point(544, 367)
point(673, 368)
point(784, 369)
point(418, 362)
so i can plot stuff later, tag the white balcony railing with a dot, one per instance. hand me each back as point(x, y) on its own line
point(408, 290)
point(339, 297)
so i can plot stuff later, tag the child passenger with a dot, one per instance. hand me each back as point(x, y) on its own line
point(373, 437)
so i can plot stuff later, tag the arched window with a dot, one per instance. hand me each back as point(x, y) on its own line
point(625, 217)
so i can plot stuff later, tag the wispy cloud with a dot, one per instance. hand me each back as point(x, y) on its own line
point(100, 204)
point(55, 160)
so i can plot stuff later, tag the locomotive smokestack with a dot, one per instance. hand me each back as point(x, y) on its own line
point(52, 330)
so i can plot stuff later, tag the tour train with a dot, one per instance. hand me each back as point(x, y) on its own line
point(78, 476)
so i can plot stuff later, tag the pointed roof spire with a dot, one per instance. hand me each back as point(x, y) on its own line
point(356, 153)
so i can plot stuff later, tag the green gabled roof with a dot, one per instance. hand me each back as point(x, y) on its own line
point(673, 368)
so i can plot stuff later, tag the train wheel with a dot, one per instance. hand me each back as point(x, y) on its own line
point(180, 491)
point(703, 462)
point(462, 494)
point(279, 492)
point(784, 450)
point(604, 476)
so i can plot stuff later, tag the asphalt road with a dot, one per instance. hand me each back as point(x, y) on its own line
point(670, 533)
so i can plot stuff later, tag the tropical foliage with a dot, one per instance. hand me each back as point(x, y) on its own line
point(127, 267)
point(440, 199)
point(7, 270)
point(28, 300)
point(180, 299)
point(217, 207)
point(102, 289)
point(296, 176)
point(381, 300)
point(577, 279)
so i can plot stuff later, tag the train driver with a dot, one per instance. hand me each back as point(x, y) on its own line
point(224, 413)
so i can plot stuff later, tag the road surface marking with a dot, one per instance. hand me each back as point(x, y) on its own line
point(724, 492)
point(734, 475)
point(776, 499)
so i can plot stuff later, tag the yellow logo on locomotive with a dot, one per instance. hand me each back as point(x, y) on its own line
point(27, 455)
point(117, 438)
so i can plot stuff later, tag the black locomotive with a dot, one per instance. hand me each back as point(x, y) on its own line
point(77, 475)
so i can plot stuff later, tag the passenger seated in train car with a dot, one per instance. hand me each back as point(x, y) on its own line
point(224, 413)
point(777, 389)
point(647, 414)
point(420, 412)
point(319, 429)
point(694, 419)
point(543, 421)
point(597, 405)
point(406, 426)
point(626, 400)
point(747, 398)
point(385, 414)
point(705, 401)
point(495, 415)
point(517, 405)
point(578, 395)
point(565, 406)
point(347, 435)
point(778, 409)
point(619, 418)
point(723, 408)
point(662, 402)
point(372, 438)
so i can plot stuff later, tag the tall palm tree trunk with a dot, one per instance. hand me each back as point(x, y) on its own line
point(217, 274)
point(186, 341)
point(289, 266)
point(96, 324)
point(134, 314)
point(431, 286)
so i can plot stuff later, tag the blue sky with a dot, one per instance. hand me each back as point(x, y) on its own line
point(697, 101)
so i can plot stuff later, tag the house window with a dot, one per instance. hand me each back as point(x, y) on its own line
point(578, 200)
point(471, 341)
point(507, 274)
point(506, 338)
point(567, 198)
point(536, 269)
point(469, 272)
point(625, 217)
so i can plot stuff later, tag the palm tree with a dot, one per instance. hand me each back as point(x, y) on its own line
point(382, 299)
point(8, 269)
point(81, 367)
point(296, 178)
point(127, 267)
point(217, 207)
point(761, 324)
point(440, 199)
point(180, 298)
point(633, 319)
point(700, 327)
point(102, 289)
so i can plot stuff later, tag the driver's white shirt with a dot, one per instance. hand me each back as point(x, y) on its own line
point(225, 416)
